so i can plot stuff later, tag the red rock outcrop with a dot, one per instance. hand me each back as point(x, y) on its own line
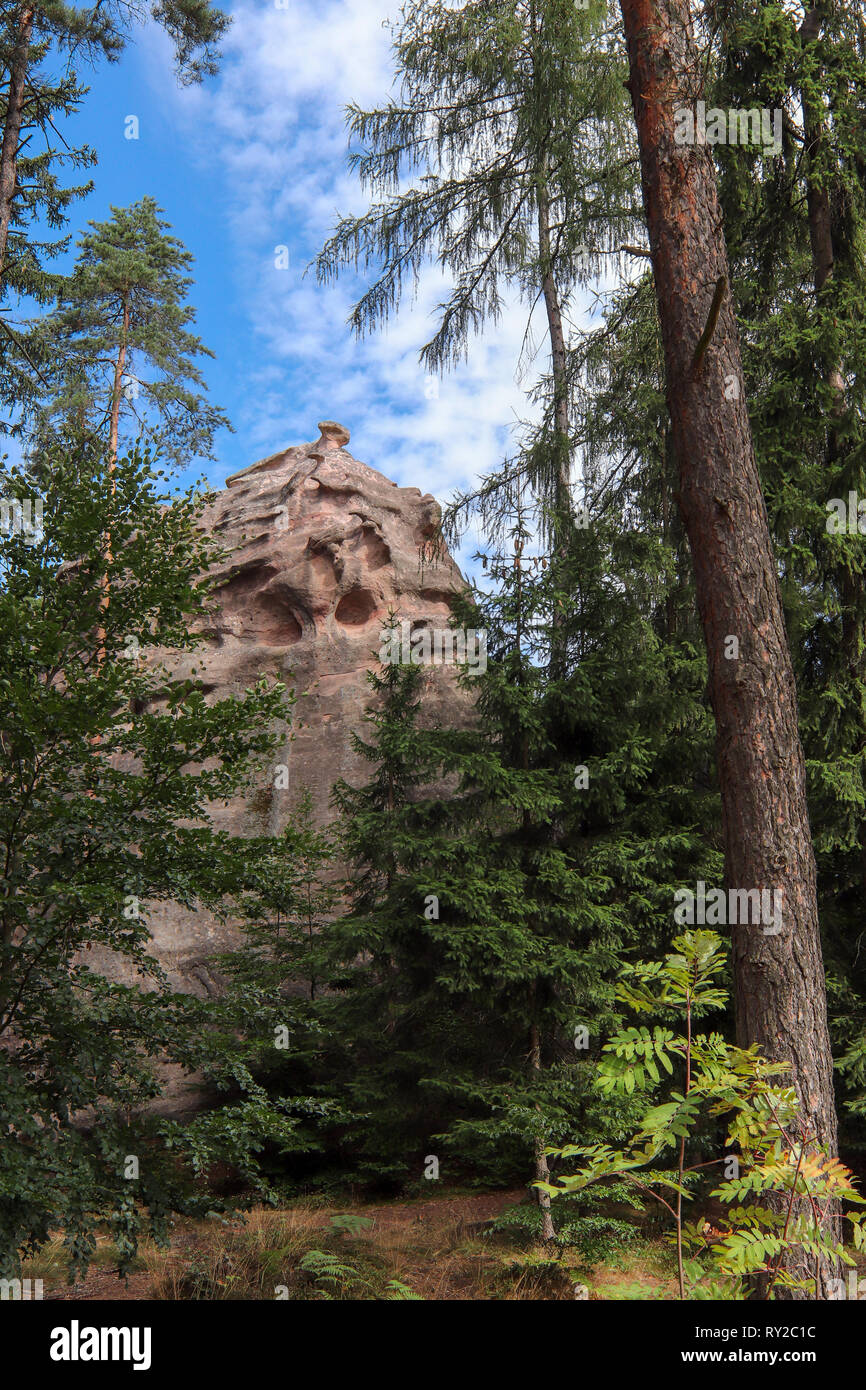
point(322, 549)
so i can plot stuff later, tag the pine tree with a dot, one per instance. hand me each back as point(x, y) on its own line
point(34, 197)
point(82, 34)
point(34, 40)
point(121, 335)
point(780, 987)
point(795, 234)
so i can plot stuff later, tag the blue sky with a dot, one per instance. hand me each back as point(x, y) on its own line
point(254, 160)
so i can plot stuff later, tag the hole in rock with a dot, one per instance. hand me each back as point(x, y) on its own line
point(237, 588)
point(274, 622)
point(355, 608)
point(373, 549)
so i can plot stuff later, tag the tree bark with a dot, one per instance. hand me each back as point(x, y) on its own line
point(117, 388)
point(823, 249)
point(823, 252)
point(113, 438)
point(818, 194)
point(780, 995)
point(558, 355)
point(563, 514)
point(18, 66)
point(542, 1171)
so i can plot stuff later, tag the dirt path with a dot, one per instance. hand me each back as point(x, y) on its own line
point(102, 1284)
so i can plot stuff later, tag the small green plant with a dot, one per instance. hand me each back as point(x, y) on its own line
point(581, 1229)
point(350, 1224)
point(779, 1187)
point(335, 1278)
point(332, 1276)
point(399, 1292)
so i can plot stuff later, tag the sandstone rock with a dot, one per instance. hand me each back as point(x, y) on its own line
point(322, 549)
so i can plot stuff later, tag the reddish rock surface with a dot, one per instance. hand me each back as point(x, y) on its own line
point(322, 549)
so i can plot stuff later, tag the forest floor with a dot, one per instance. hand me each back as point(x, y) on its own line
point(440, 1249)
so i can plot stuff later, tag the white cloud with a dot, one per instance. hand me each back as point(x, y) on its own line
point(273, 123)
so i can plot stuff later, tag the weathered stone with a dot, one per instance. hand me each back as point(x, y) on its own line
point(322, 549)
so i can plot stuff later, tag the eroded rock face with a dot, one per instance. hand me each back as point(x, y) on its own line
point(322, 549)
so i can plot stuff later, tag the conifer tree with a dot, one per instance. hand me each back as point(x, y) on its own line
point(268, 1021)
point(514, 114)
point(79, 35)
point(487, 924)
point(44, 50)
point(34, 196)
point(780, 988)
point(121, 335)
point(386, 1020)
point(795, 236)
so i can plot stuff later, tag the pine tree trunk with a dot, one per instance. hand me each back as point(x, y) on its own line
point(117, 389)
point(779, 978)
point(18, 64)
point(113, 444)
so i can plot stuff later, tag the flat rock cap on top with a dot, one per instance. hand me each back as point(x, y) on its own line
point(334, 435)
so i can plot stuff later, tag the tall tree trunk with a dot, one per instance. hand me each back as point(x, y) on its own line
point(822, 244)
point(558, 355)
point(666, 474)
point(117, 389)
point(18, 66)
point(779, 978)
point(818, 187)
point(542, 1171)
point(113, 438)
point(562, 521)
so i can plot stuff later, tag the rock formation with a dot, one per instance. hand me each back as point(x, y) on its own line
point(321, 549)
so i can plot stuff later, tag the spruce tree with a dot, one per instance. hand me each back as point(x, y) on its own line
point(487, 923)
point(384, 1013)
point(268, 1021)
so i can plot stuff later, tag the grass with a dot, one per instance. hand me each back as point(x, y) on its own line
point(455, 1247)
point(50, 1263)
point(405, 1250)
point(444, 1249)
